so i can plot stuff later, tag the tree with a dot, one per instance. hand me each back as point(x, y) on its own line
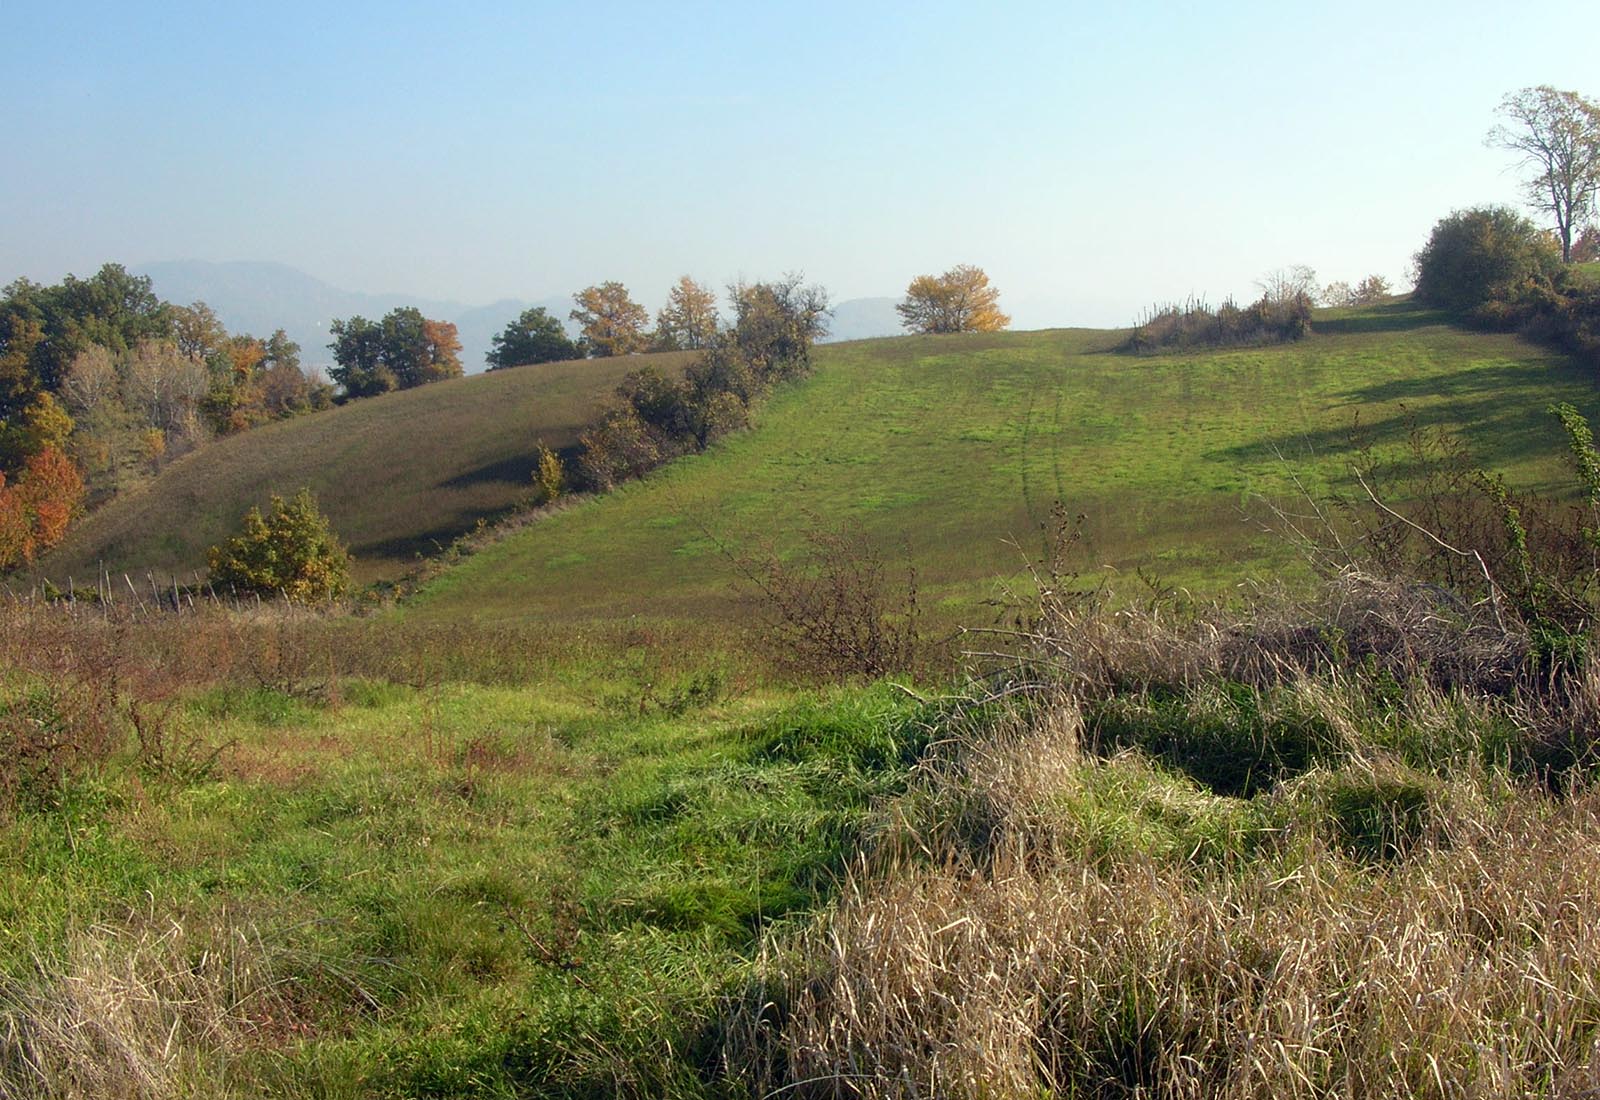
point(1586, 249)
point(402, 351)
point(91, 380)
point(612, 322)
point(534, 337)
point(438, 355)
point(960, 300)
point(197, 331)
point(42, 424)
point(357, 348)
point(36, 510)
point(1338, 294)
point(1369, 291)
point(774, 325)
point(419, 350)
point(689, 319)
point(292, 552)
point(1558, 135)
point(1372, 290)
point(166, 387)
point(1481, 254)
point(1287, 284)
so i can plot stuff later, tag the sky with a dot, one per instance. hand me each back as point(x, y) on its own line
point(1094, 159)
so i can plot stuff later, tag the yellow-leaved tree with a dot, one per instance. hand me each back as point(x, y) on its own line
point(960, 300)
point(292, 552)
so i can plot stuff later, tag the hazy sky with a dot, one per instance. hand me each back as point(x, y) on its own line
point(1092, 157)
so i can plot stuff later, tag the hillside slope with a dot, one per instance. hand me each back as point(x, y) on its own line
point(398, 475)
point(952, 449)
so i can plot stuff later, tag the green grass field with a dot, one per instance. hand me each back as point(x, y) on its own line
point(555, 829)
point(399, 475)
point(949, 451)
point(952, 449)
point(438, 889)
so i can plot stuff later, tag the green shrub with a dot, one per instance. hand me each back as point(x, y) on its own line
point(292, 553)
point(1482, 259)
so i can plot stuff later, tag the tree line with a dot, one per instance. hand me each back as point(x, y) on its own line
point(101, 380)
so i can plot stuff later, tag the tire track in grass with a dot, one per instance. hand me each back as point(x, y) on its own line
point(1023, 452)
point(1055, 452)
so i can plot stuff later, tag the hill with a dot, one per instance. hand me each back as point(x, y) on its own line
point(399, 475)
point(864, 319)
point(950, 449)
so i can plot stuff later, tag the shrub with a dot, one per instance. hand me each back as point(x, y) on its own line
point(1482, 255)
point(293, 553)
point(51, 736)
point(837, 615)
point(1270, 320)
point(549, 476)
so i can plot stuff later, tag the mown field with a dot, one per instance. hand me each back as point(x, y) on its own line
point(400, 476)
point(950, 451)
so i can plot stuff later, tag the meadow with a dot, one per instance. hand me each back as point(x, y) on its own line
point(565, 822)
point(948, 453)
point(451, 879)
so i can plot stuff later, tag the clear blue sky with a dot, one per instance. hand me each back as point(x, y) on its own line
point(1092, 157)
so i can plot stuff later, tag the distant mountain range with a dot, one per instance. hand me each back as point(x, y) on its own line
point(257, 298)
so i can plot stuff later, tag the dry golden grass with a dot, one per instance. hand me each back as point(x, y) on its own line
point(1469, 968)
point(1412, 909)
point(146, 1010)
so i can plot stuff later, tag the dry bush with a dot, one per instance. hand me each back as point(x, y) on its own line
point(151, 1012)
point(835, 614)
point(51, 735)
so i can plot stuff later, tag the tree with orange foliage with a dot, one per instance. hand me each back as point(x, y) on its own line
point(35, 512)
point(960, 300)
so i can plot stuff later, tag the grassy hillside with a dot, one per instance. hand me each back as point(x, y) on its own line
point(399, 475)
point(948, 447)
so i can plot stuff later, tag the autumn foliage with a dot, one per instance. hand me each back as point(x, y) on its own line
point(36, 509)
point(292, 552)
point(960, 300)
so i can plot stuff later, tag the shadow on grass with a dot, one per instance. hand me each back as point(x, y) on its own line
point(1390, 317)
point(1502, 380)
point(515, 470)
point(426, 544)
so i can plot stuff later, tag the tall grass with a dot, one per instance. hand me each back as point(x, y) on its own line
point(1315, 851)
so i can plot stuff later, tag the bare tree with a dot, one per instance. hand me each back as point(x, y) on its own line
point(1285, 284)
point(165, 386)
point(1558, 135)
point(90, 378)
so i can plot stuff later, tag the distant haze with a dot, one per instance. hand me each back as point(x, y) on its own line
point(1094, 159)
